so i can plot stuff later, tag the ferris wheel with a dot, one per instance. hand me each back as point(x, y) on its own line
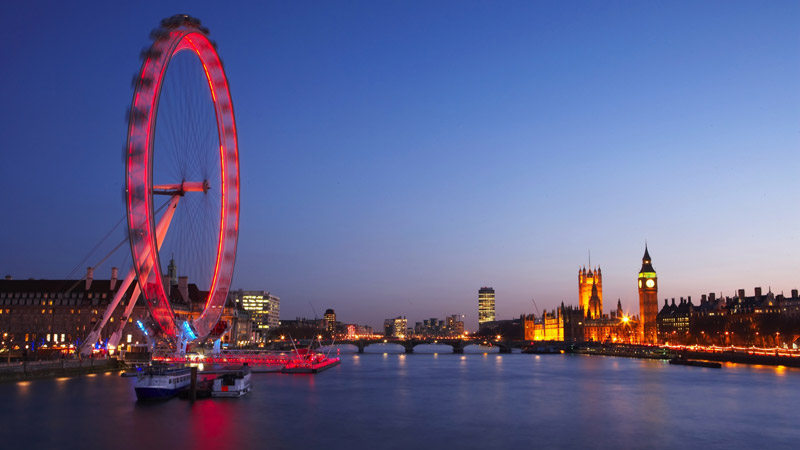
point(182, 158)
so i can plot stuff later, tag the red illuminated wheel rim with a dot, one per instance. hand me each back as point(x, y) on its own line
point(182, 159)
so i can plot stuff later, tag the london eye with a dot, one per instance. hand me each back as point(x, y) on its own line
point(182, 177)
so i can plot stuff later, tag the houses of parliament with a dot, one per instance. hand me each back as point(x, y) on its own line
point(587, 322)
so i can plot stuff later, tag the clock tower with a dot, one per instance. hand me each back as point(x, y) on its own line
point(648, 299)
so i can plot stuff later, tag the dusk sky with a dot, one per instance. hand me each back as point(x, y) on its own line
point(398, 155)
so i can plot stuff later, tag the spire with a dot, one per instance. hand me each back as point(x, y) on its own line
point(172, 272)
point(647, 266)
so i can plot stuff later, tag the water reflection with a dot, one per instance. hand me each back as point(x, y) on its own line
point(384, 348)
point(423, 400)
point(474, 348)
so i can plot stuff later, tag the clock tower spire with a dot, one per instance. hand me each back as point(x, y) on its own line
point(648, 299)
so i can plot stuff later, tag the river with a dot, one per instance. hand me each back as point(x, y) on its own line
point(425, 401)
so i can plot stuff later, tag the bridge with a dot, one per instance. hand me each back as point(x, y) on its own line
point(457, 344)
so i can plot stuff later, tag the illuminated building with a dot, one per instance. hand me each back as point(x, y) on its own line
point(672, 322)
point(648, 299)
point(396, 327)
point(454, 326)
point(549, 328)
point(590, 292)
point(330, 320)
point(485, 305)
point(615, 327)
point(264, 310)
point(449, 327)
point(565, 323)
point(39, 313)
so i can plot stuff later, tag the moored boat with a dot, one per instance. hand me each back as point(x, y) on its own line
point(233, 382)
point(161, 382)
point(691, 362)
point(310, 363)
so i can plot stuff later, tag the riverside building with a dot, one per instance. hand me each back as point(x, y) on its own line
point(36, 314)
point(263, 307)
point(485, 305)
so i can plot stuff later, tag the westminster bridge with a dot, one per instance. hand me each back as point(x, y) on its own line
point(457, 344)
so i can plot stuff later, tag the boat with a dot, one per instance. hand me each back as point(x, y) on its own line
point(680, 361)
point(232, 382)
point(542, 350)
point(161, 382)
point(306, 360)
point(310, 362)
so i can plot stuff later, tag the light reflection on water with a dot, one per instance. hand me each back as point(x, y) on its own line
point(429, 400)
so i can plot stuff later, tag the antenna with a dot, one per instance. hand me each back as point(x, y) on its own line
point(590, 259)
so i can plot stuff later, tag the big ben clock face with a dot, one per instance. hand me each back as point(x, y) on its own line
point(640, 283)
point(650, 283)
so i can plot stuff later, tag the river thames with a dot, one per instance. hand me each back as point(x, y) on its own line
point(397, 401)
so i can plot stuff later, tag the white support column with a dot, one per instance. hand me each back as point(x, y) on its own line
point(115, 338)
point(161, 231)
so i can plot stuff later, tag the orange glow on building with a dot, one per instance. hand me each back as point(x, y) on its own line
point(590, 292)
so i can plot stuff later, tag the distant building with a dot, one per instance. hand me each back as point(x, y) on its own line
point(562, 324)
point(330, 320)
point(264, 309)
point(451, 326)
point(506, 329)
point(790, 307)
point(648, 299)
point(485, 305)
point(454, 325)
point(672, 322)
point(395, 328)
point(590, 292)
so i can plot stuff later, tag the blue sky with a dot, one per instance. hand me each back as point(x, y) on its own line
point(397, 156)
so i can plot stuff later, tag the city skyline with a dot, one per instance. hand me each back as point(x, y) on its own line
point(396, 158)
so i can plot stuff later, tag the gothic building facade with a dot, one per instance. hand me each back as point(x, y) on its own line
point(590, 292)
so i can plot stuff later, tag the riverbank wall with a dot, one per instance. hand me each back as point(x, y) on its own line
point(28, 370)
point(651, 352)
